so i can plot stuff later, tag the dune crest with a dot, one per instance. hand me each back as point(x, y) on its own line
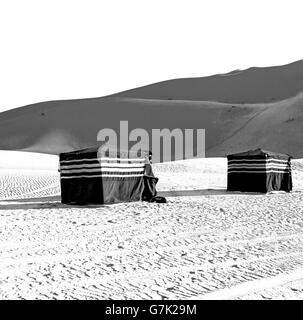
point(275, 124)
point(253, 85)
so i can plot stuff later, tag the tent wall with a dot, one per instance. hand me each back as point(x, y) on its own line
point(246, 182)
point(81, 191)
point(279, 182)
point(150, 182)
point(259, 172)
point(99, 178)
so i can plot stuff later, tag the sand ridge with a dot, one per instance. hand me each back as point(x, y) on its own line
point(258, 107)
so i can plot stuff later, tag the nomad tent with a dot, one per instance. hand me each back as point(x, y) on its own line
point(259, 171)
point(105, 175)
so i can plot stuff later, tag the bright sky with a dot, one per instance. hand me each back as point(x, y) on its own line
point(57, 49)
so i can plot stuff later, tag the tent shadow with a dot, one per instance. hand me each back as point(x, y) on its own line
point(54, 202)
point(204, 192)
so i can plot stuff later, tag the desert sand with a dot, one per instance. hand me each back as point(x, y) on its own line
point(205, 243)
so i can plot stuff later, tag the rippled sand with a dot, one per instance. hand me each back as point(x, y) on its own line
point(204, 243)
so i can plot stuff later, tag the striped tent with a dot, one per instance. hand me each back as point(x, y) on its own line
point(259, 171)
point(105, 175)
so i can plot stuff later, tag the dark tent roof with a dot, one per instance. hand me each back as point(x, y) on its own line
point(105, 150)
point(259, 153)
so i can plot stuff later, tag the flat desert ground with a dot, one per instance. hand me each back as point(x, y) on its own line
point(204, 243)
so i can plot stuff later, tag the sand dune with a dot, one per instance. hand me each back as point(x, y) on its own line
point(231, 126)
point(254, 85)
point(60, 126)
point(16, 160)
